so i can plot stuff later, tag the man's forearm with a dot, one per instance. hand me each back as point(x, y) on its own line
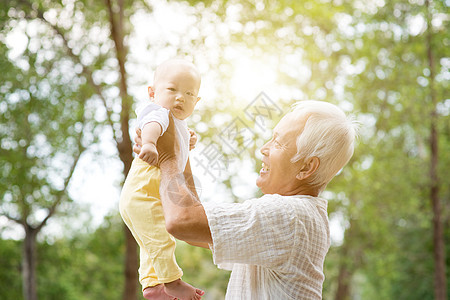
point(190, 178)
point(184, 214)
point(198, 244)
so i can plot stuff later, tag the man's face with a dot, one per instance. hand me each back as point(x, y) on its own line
point(176, 89)
point(278, 173)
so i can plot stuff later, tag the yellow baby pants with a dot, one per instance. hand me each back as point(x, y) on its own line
point(141, 210)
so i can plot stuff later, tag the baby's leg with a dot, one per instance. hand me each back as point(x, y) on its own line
point(183, 291)
point(156, 293)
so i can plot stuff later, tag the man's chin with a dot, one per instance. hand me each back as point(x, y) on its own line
point(260, 184)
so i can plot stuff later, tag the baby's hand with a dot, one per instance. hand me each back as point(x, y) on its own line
point(192, 140)
point(149, 154)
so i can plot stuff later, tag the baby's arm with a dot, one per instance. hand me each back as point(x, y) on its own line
point(150, 135)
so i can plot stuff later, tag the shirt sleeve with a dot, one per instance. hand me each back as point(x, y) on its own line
point(152, 112)
point(257, 232)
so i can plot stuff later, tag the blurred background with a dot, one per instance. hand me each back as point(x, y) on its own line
point(73, 71)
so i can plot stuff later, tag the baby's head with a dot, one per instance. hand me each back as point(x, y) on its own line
point(176, 85)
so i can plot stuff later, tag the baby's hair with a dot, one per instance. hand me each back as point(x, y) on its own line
point(328, 134)
point(178, 62)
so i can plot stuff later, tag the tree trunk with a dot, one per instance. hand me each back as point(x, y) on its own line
point(29, 264)
point(345, 267)
point(131, 258)
point(343, 289)
point(116, 19)
point(440, 284)
point(131, 265)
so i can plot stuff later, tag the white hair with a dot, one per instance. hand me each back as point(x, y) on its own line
point(328, 135)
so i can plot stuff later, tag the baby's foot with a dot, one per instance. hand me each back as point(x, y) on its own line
point(156, 293)
point(182, 291)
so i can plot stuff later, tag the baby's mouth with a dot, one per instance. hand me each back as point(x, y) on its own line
point(265, 168)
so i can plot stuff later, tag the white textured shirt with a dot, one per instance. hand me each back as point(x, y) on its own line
point(152, 112)
point(275, 246)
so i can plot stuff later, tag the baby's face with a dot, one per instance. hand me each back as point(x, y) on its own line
point(176, 88)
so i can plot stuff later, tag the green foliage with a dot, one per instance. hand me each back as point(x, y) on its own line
point(373, 59)
point(43, 119)
point(200, 271)
point(88, 266)
point(389, 191)
point(11, 287)
point(85, 266)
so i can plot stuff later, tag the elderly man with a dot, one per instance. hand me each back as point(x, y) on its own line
point(275, 245)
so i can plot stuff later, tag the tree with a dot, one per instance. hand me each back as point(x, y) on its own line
point(97, 55)
point(70, 123)
point(43, 125)
point(375, 59)
point(79, 51)
point(440, 281)
point(390, 48)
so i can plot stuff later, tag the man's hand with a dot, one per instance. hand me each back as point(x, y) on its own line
point(167, 144)
point(192, 139)
point(138, 141)
point(149, 154)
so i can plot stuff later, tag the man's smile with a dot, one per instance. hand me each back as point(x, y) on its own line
point(264, 168)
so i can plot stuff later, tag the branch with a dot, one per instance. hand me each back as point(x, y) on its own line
point(63, 192)
point(117, 35)
point(18, 221)
point(116, 22)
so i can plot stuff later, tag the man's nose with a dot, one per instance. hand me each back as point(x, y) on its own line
point(264, 150)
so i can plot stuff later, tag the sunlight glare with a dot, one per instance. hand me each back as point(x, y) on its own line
point(16, 41)
point(250, 77)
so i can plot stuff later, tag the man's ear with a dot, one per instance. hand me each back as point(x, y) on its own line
point(309, 167)
point(151, 92)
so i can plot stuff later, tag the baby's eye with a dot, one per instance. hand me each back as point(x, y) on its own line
point(190, 94)
point(171, 89)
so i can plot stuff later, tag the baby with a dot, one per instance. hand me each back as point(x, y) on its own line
point(175, 90)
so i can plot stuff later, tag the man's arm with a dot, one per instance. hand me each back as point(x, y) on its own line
point(184, 214)
point(198, 244)
point(191, 185)
point(185, 217)
point(190, 178)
